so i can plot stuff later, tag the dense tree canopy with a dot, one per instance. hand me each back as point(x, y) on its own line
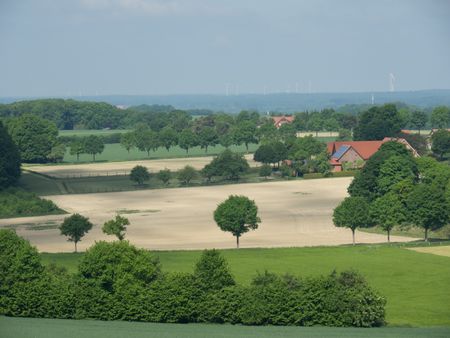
point(377, 123)
point(227, 164)
point(34, 136)
point(9, 159)
point(440, 145)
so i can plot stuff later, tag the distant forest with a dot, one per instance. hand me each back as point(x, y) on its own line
point(71, 114)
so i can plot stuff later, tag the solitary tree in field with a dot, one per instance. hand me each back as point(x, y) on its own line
point(388, 211)
point(75, 227)
point(116, 227)
point(428, 207)
point(139, 174)
point(353, 212)
point(238, 215)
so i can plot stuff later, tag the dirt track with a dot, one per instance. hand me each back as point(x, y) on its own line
point(113, 168)
point(293, 213)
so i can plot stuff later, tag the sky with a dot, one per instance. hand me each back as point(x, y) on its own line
point(160, 47)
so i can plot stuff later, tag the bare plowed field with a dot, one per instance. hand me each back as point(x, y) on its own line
point(293, 213)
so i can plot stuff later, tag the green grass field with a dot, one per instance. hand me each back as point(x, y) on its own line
point(56, 328)
point(415, 284)
point(115, 152)
point(87, 132)
point(411, 231)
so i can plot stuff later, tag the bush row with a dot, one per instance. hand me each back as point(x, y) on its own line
point(117, 281)
point(15, 202)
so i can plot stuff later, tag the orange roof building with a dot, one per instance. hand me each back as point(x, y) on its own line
point(353, 154)
point(278, 121)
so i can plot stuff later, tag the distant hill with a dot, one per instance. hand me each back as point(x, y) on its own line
point(272, 102)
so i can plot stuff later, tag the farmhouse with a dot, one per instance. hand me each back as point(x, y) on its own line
point(353, 154)
point(278, 121)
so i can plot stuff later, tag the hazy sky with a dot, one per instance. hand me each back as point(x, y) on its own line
point(68, 47)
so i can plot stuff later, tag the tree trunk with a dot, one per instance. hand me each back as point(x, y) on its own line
point(389, 235)
point(78, 157)
point(75, 247)
point(148, 153)
point(246, 146)
point(426, 234)
point(353, 236)
point(237, 242)
point(419, 131)
point(206, 149)
point(93, 156)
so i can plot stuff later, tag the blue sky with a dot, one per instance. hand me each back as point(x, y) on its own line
point(88, 47)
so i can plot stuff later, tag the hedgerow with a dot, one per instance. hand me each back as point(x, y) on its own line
point(117, 281)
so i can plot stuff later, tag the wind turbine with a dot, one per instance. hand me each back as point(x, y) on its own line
point(391, 82)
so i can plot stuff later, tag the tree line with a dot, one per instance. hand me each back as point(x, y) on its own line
point(117, 281)
point(396, 189)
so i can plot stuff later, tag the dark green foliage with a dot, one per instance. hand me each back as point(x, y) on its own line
point(228, 165)
point(212, 271)
point(418, 119)
point(265, 170)
point(265, 154)
point(440, 117)
point(93, 145)
point(352, 212)
point(117, 281)
point(366, 182)
point(377, 123)
point(441, 144)
point(139, 174)
point(187, 174)
point(417, 141)
point(168, 137)
point(75, 227)
point(164, 175)
point(34, 137)
point(9, 159)
point(207, 137)
point(245, 132)
point(428, 207)
point(68, 114)
point(15, 202)
point(238, 215)
point(344, 135)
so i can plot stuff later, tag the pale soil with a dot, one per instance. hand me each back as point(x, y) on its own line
point(115, 168)
point(293, 213)
point(436, 250)
point(319, 134)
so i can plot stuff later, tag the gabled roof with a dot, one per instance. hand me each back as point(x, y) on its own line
point(341, 151)
point(278, 119)
point(364, 148)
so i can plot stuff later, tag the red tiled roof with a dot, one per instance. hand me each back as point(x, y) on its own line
point(277, 119)
point(364, 148)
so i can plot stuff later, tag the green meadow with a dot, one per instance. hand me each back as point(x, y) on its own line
point(56, 328)
point(416, 285)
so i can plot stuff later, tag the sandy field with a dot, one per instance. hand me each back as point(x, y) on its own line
point(436, 250)
point(293, 213)
point(115, 168)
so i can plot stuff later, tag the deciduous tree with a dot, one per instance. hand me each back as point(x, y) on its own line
point(238, 215)
point(75, 227)
point(353, 212)
point(116, 227)
point(139, 174)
